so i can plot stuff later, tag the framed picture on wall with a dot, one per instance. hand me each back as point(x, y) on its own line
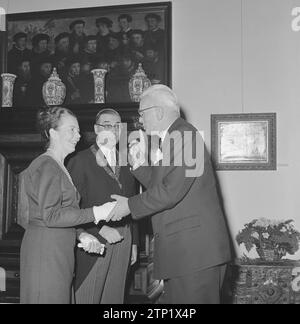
point(244, 141)
point(118, 39)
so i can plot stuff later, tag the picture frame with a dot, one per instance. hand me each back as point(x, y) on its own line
point(244, 141)
point(147, 42)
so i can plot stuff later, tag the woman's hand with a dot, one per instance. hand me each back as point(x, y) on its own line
point(101, 212)
point(90, 244)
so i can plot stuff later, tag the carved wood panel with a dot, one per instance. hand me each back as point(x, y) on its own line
point(3, 173)
point(9, 193)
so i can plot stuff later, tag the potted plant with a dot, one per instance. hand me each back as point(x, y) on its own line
point(272, 238)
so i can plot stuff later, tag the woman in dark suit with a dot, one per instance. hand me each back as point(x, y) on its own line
point(47, 251)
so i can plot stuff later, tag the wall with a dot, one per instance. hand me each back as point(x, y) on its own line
point(230, 57)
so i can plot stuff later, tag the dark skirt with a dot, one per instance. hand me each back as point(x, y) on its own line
point(47, 265)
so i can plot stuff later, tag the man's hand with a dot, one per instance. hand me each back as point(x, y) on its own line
point(136, 156)
point(90, 243)
point(133, 254)
point(120, 210)
point(111, 235)
point(137, 151)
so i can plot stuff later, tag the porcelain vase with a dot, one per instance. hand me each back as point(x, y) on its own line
point(99, 85)
point(54, 90)
point(138, 83)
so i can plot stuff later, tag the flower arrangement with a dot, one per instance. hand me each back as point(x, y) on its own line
point(276, 236)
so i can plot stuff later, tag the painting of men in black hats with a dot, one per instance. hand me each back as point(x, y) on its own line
point(118, 42)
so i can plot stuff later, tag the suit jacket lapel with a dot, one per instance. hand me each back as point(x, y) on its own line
point(175, 125)
point(165, 146)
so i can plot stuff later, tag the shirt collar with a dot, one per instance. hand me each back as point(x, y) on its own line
point(106, 150)
point(162, 134)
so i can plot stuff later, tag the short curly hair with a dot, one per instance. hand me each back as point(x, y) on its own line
point(49, 118)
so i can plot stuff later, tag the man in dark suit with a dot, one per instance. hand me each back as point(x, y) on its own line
point(191, 241)
point(104, 26)
point(153, 65)
point(97, 174)
point(77, 36)
point(154, 35)
point(137, 45)
point(72, 80)
point(18, 52)
point(20, 94)
point(89, 52)
point(40, 50)
point(62, 53)
point(35, 86)
point(124, 23)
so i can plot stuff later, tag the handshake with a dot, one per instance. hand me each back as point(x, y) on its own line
point(112, 211)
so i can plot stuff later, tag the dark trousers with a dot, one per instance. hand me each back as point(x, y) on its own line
point(105, 284)
point(201, 287)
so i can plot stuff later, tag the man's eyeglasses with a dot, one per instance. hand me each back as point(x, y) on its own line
point(109, 126)
point(141, 112)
